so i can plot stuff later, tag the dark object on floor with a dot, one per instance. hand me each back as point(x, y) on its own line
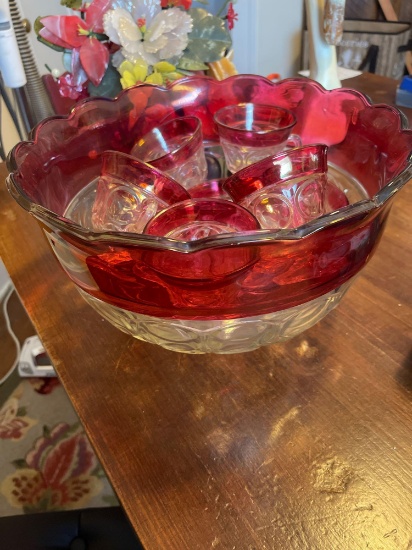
point(89, 529)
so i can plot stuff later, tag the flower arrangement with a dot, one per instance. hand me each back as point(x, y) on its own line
point(108, 45)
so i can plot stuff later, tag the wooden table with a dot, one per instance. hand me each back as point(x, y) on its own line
point(380, 89)
point(303, 445)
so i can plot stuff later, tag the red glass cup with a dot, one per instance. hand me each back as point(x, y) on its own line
point(200, 218)
point(197, 219)
point(287, 190)
point(129, 193)
point(249, 132)
point(176, 148)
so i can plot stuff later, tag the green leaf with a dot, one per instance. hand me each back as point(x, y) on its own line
point(98, 472)
point(50, 45)
point(187, 64)
point(109, 86)
point(100, 36)
point(38, 25)
point(19, 463)
point(72, 4)
point(209, 38)
point(21, 411)
point(46, 432)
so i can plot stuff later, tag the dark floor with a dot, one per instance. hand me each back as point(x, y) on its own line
point(21, 326)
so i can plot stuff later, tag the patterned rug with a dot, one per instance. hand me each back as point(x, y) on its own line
point(46, 460)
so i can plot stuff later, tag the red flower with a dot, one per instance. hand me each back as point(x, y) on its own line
point(73, 33)
point(176, 3)
point(231, 16)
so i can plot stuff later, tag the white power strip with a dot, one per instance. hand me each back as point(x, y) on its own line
point(33, 361)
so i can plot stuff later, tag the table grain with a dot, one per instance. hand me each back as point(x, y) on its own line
point(301, 445)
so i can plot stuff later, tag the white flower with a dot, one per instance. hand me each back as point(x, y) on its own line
point(145, 31)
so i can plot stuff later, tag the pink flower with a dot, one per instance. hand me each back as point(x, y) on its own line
point(231, 16)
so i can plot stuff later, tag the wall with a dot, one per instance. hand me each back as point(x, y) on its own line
point(267, 37)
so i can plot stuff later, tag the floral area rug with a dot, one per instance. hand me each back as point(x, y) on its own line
point(46, 460)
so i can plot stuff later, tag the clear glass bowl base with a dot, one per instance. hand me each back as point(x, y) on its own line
point(219, 336)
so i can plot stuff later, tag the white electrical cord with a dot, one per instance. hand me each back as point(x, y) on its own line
point(9, 292)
